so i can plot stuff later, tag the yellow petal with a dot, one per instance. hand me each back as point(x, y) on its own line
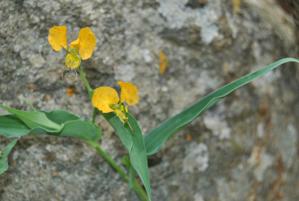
point(87, 43)
point(75, 44)
point(128, 93)
point(103, 98)
point(57, 37)
point(72, 61)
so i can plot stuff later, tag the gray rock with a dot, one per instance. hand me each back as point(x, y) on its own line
point(245, 147)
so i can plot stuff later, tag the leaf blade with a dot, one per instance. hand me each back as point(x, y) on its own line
point(131, 136)
point(11, 126)
point(34, 119)
point(159, 135)
point(4, 156)
point(84, 130)
point(138, 154)
point(71, 126)
point(61, 116)
point(122, 132)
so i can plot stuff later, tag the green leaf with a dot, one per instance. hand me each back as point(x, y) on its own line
point(73, 126)
point(34, 119)
point(138, 155)
point(4, 156)
point(159, 135)
point(131, 136)
point(132, 173)
point(84, 130)
point(132, 176)
point(70, 125)
point(61, 116)
point(11, 126)
point(122, 132)
point(125, 160)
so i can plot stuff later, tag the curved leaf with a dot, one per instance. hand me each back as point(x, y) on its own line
point(34, 119)
point(84, 130)
point(122, 132)
point(4, 156)
point(11, 126)
point(70, 125)
point(61, 116)
point(138, 155)
point(131, 136)
point(159, 135)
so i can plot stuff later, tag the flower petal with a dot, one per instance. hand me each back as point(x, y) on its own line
point(72, 61)
point(75, 44)
point(128, 93)
point(103, 98)
point(87, 43)
point(57, 37)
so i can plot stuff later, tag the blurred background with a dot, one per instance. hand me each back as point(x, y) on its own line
point(244, 148)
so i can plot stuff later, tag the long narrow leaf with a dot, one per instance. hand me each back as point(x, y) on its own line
point(138, 155)
point(71, 125)
point(84, 130)
point(159, 135)
point(132, 176)
point(34, 119)
point(4, 156)
point(132, 138)
point(61, 116)
point(11, 126)
point(122, 132)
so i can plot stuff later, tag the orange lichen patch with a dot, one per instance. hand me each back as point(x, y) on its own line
point(163, 62)
point(70, 91)
point(236, 6)
point(47, 97)
point(188, 137)
point(31, 87)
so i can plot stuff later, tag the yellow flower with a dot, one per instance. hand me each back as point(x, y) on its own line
point(106, 99)
point(86, 42)
point(128, 93)
point(81, 48)
point(57, 37)
point(72, 60)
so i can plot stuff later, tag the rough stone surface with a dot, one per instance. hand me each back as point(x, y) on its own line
point(245, 148)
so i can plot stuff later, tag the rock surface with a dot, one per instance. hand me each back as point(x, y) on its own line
point(245, 148)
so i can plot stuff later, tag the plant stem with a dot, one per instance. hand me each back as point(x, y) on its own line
point(94, 115)
point(85, 82)
point(135, 186)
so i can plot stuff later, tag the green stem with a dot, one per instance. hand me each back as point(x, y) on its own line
point(94, 115)
point(135, 186)
point(85, 82)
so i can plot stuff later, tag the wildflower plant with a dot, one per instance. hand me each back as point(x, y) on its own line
point(113, 106)
point(79, 49)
